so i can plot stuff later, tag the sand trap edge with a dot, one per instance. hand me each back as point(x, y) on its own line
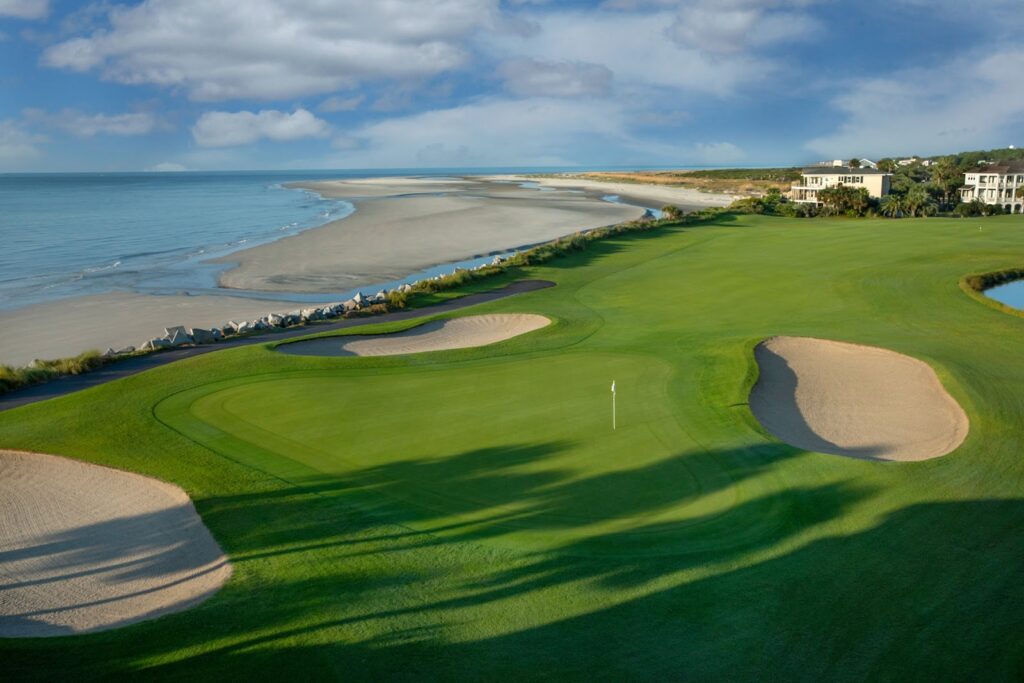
point(216, 576)
point(447, 334)
point(956, 436)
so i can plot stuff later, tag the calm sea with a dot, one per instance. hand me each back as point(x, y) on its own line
point(66, 235)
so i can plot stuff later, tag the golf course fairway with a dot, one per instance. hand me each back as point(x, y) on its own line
point(471, 513)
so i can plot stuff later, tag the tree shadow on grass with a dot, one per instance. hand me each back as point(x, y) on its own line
point(331, 587)
point(890, 602)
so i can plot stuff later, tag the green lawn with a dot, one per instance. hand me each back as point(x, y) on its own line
point(471, 514)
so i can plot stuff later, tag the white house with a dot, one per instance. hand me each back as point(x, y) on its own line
point(815, 179)
point(999, 183)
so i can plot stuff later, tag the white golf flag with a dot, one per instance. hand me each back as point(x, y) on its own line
point(613, 405)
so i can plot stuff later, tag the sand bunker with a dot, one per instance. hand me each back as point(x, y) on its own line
point(858, 401)
point(440, 335)
point(86, 548)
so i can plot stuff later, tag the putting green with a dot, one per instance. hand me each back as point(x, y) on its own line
point(470, 514)
point(502, 454)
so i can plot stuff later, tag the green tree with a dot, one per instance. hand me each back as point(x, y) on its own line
point(947, 177)
point(853, 163)
point(839, 200)
point(887, 165)
point(970, 209)
point(892, 206)
point(919, 202)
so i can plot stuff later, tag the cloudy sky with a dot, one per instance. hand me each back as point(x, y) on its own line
point(260, 84)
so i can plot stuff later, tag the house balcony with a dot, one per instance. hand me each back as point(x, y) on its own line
point(803, 194)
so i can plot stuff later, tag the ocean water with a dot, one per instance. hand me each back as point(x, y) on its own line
point(73, 234)
point(67, 235)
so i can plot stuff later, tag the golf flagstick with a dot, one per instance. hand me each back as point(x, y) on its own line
point(613, 405)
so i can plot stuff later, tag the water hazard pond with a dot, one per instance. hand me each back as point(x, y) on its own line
point(1011, 294)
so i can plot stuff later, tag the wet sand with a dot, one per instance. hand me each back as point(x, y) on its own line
point(405, 225)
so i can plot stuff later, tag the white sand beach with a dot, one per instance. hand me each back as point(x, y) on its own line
point(67, 328)
point(401, 226)
point(404, 225)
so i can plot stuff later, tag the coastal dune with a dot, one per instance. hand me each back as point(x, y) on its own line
point(440, 335)
point(87, 548)
point(655, 196)
point(858, 401)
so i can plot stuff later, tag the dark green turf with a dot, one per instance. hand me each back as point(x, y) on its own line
point(471, 514)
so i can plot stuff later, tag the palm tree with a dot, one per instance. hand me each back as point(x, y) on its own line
point(919, 202)
point(853, 163)
point(892, 206)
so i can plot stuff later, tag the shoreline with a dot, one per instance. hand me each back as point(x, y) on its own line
point(401, 227)
point(405, 225)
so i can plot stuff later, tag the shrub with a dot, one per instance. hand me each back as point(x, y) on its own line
point(983, 281)
point(671, 212)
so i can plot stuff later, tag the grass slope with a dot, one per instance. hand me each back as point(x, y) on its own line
point(470, 514)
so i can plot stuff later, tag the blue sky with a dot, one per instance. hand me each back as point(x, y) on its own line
point(212, 84)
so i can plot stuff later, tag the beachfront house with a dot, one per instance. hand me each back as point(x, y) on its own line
point(815, 179)
point(999, 183)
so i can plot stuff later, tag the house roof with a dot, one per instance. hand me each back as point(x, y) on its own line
point(841, 170)
point(1001, 167)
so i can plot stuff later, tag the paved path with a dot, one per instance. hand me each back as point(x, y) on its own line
point(130, 366)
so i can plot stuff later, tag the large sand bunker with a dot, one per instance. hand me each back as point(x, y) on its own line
point(858, 401)
point(86, 548)
point(440, 335)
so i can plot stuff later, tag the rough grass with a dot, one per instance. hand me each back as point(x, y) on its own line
point(12, 378)
point(976, 284)
point(753, 182)
point(471, 515)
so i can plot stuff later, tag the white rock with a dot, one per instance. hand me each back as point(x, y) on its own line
point(201, 336)
point(180, 337)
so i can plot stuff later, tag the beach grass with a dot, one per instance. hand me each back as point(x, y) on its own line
point(471, 514)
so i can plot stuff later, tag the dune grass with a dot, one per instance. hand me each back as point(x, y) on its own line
point(12, 377)
point(471, 515)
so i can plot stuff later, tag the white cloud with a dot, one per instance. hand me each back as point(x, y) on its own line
point(730, 30)
point(501, 132)
point(529, 77)
point(635, 47)
point(717, 152)
point(87, 125)
point(969, 103)
point(274, 49)
point(166, 167)
point(336, 103)
point(229, 129)
point(16, 144)
point(24, 9)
